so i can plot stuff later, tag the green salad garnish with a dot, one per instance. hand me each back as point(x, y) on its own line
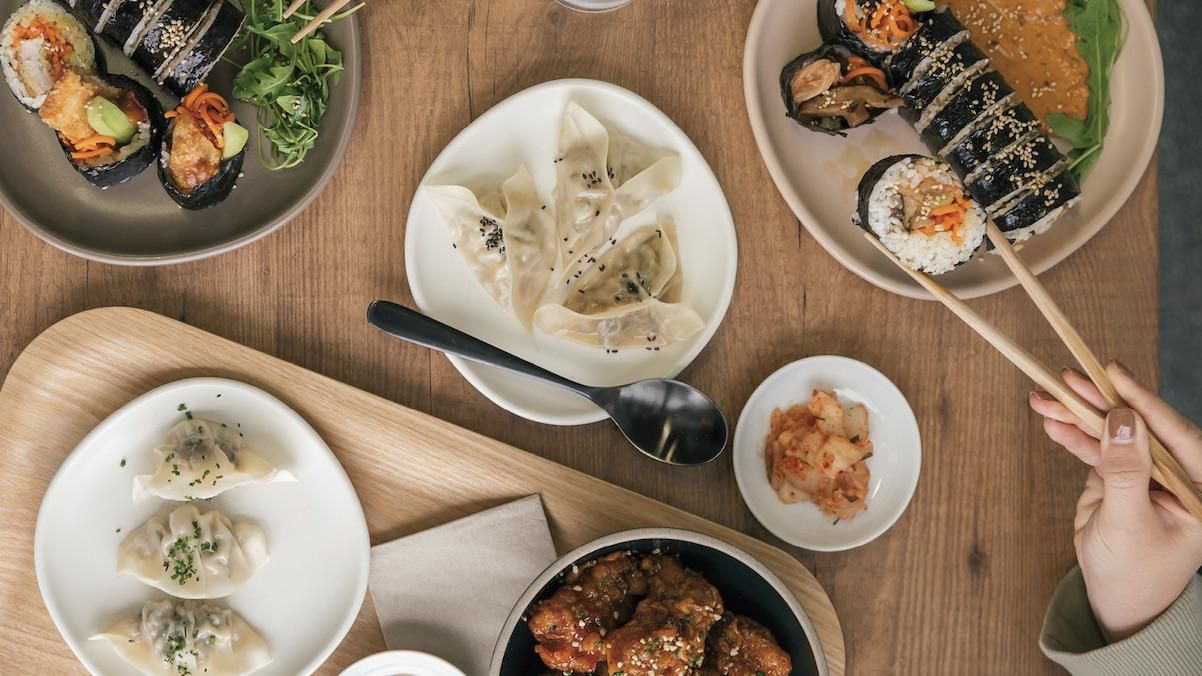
point(290, 83)
point(1099, 28)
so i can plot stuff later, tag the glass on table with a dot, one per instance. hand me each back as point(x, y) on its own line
point(592, 5)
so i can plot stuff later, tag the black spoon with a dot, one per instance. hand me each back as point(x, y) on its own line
point(665, 419)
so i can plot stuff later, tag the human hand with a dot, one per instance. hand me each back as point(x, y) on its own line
point(1136, 544)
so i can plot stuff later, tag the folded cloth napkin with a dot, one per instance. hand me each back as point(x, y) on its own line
point(448, 590)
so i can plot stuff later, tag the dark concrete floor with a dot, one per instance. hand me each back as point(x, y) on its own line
point(1181, 209)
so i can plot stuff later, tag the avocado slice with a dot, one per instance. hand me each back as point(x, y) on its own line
point(107, 119)
point(235, 139)
point(919, 5)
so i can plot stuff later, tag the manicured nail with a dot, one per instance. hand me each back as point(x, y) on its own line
point(1120, 426)
point(1122, 368)
point(1037, 395)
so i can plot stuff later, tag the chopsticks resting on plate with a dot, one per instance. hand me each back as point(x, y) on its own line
point(1165, 468)
point(317, 21)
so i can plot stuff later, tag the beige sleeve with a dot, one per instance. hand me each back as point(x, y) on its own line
point(1170, 646)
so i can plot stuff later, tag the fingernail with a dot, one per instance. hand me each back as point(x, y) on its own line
point(1120, 426)
point(1121, 367)
point(1037, 395)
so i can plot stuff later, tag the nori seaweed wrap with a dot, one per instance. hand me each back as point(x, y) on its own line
point(120, 24)
point(880, 26)
point(1036, 211)
point(819, 94)
point(90, 11)
point(122, 161)
point(992, 137)
point(1014, 170)
point(947, 70)
point(192, 64)
point(192, 165)
point(937, 30)
point(169, 33)
point(39, 42)
point(944, 124)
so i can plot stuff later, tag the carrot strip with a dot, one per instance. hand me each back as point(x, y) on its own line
point(190, 100)
point(876, 74)
point(88, 154)
point(947, 209)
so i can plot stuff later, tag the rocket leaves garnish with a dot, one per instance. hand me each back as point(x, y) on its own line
point(1099, 28)
point(290, 83)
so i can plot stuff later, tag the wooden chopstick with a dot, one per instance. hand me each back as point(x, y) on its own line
point(1165, 468)
point(318, 20)
point(296, 4)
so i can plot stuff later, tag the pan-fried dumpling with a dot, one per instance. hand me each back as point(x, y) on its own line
point(638, 267)
point(193, 555)
point(601, 183)
point(199, 459)
point(647, 324)
point(173, 637)
point(508, 240)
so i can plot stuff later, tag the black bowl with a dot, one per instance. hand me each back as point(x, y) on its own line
point(746, 585)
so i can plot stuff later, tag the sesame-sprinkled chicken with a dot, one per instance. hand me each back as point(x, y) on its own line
point(595, 598)
point(740, 646)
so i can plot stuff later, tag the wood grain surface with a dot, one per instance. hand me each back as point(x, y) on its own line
point(411, 471)
point(959, 585)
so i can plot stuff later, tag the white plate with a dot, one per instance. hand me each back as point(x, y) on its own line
point(525, 129)
point(894, 465)
point(817, 174)
point(403, 662)
point(302, 602)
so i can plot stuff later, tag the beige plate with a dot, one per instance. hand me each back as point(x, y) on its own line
point(136, 223)
point(817, 174)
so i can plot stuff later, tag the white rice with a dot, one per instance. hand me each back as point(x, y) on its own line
point(933, 254)
point(140, 140)
point(26, 70)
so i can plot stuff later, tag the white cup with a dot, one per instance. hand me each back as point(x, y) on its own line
point(593, 5)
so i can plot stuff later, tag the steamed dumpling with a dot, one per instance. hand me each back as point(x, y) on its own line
point(601, 182)
point(508, 240)
point(200, 459)
point(173, 637)
point(638, 267)
point(647, 324)
point(193, 555)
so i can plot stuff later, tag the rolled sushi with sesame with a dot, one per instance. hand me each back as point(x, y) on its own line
point(202, 150)
point(921, 212)
point(40, 42)
point(832, 90)
point(873, 28)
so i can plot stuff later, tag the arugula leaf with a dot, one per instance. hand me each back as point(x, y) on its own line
point(1099, 28)
point(289, 83)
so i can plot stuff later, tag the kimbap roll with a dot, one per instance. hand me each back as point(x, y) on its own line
point(169, 34)
point(39, 43)
point(921, 212)
point(1034, 212)
point(991, 138)
point(1014, 170)
point(831, 90)
point(873, 28)
point(954, 115)
point(190, 65)
point(202, 150)
point(940, 31)
point(947, 71)
point(108, 126)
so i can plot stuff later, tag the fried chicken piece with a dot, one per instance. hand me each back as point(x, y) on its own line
point(686, 594)
point(740, 646)
point(595, 598)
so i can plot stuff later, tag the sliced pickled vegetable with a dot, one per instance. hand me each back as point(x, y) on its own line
point(109, 120)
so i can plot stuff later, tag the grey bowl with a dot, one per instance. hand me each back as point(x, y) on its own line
point(137, 223)
point(746, 585)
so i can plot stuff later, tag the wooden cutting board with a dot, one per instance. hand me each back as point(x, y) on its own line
point(411, 471)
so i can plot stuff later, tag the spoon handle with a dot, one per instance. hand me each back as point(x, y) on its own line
point(415, 327)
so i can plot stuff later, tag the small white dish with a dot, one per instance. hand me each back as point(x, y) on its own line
point(817, 174)
point(402, 663)
point(894, 466)
point(303, 601)
point(524, 129)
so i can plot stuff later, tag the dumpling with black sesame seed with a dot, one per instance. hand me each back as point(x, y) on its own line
point(199, 459)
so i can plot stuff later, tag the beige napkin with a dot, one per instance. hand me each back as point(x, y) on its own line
point(447, 591)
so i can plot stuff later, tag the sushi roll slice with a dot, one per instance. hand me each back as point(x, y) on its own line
point(202, 150)
point(940, 31)
point(1014, 170)
point(832, 90)
point(946, 72)
point(991, 138)
point(920, 210)
point(954, 115)
point(107, 125)
point(169, 33)
point(191, 65)
point(1037, 210)
point(872, 28)
point(39, 43)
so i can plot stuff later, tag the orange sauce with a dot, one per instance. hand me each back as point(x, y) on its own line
point(1031, 44)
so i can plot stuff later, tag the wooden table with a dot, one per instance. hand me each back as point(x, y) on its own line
point(959, 585)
